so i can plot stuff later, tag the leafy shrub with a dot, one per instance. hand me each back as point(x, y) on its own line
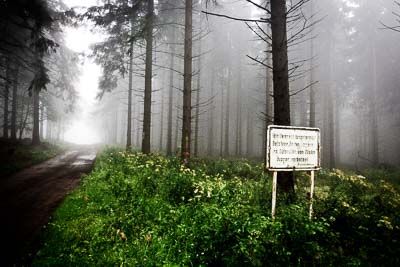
point(148, 210)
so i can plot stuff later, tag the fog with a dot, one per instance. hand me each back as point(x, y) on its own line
point(343, 78)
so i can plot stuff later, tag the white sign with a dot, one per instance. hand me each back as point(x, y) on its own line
point(293, 148)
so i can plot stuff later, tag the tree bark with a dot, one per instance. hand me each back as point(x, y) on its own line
point(331, 89)
point(162, 121)
point(210, 138)
point(48, 129)
point(312, 106)
point(115, 141)
point(148, 79)
point(171, 96)
point(187, 84)
point(130, 85)
point(281, 78)
point(222, 123)
point(337, 129)
point(303, 120)
point(24, 118)
point(177, 131)
point(37, 85)
point(249, 134)
point(59, 131)
point(41, 127)
point(280, 63)
point(35, 130)
point(197, 117)
point(227, 116)
point(332, 158)
point(373, 110)
point(268, 103)
point(137, 109)
point(312, 89)
point(6, 99)
point(14, 105)
point(238, 149)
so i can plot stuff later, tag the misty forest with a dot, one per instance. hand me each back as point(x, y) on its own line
point(140, 132)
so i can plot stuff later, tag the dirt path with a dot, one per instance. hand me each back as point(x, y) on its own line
point(28, 198)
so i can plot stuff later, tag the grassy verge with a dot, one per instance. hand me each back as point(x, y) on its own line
point(138, 210)
point(17, 156)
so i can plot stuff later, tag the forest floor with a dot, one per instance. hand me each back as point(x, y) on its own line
point(28, 198)
point(149, 210)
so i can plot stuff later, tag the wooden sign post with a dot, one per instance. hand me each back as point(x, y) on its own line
point(292, 149)
point(274, 183)
point(312, 195)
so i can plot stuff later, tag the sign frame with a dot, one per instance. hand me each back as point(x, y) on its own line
point(268, 148)
point(275, 171)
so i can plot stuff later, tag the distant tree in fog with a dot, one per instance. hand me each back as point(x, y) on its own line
point(27, 46)
point(277, 13)
point(126, 22)
point(395, 28)
point(169, 17)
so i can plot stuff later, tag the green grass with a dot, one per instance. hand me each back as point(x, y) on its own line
point(138, 210)
point(17, 156)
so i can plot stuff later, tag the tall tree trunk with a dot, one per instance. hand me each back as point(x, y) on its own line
point(373, 110)
point(137, 109)
point(177, 131)
point(14, 104)
point(268, 112)
point(239, 113)
point(325, 130)
point(249, 134)
point(227, 116)
point(280, 63)
point(239, 131)
point(152, 138)
point(303, 109)
point(5, 119)
point(24, 118)
point(35, 131)
point(162, 121)
point(332, 158)
point(337, 129)
point(148, 79)
point(312, 89)
point(222, 123)
point(187, 83)
point(6, 99)
point(312, 106)
point(63, 131)
point(121, 133)
point(37, 85)
point(328, 128)
point(41, 127)
point(197, 117)
point(171, 96)
point(130, 85)
point(48, 128)
point(115, 141)
point(330, 107)
point(281, 78)
point(210, 138)
point(59, 130)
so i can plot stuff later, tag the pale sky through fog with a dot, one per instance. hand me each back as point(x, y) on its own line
point(82, 130)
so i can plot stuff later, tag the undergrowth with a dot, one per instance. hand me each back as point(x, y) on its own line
point(17, 156)
point(140, 210)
